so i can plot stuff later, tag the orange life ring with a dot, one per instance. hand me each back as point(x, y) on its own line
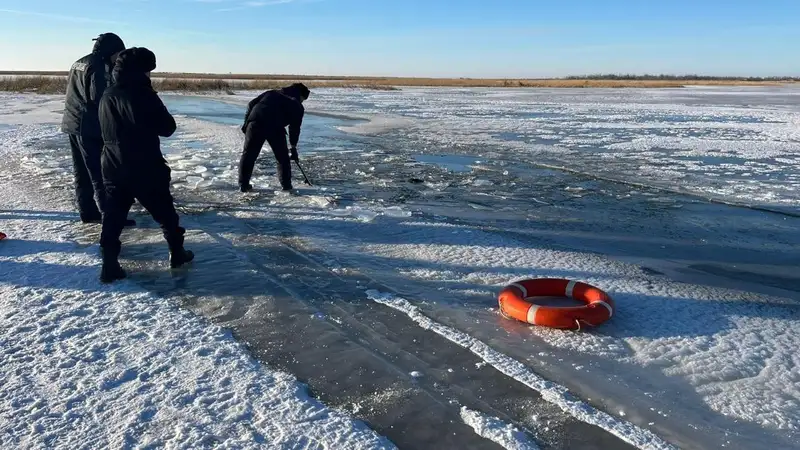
point(514, 303)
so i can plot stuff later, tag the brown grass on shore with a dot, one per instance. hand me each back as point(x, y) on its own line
point(562, 83)
point(55, 83)
point(437, 81)
point(39, 84)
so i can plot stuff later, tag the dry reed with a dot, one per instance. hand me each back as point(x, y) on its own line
point(55, 82)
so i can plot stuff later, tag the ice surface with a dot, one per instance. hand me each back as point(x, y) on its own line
point(369, 214)
point(27, 109)
point(730, 144)
point(677, 357)
point(450, 162)
point(483, 261)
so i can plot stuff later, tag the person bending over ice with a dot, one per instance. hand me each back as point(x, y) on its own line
point(132, 117)
point(265, 120)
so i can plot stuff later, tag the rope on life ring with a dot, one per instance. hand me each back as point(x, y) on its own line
point(514, 303)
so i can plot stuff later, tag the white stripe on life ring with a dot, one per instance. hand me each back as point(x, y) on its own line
point(570, 288)
point(521, 288)
point(608, 307)
point(532, 314)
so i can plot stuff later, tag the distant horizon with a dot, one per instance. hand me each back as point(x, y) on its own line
point(509, 39)
point(287, 76)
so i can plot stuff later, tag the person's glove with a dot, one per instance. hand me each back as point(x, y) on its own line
point(293, 154)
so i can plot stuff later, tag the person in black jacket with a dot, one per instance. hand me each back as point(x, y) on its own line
point(265, 120)
point(88, 79)
point(132, 117)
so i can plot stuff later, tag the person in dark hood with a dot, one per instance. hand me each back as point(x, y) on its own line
point(265, 120)
point(132, 117)
point(88, 79)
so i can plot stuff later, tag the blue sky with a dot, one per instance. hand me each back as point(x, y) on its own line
point(498, 38)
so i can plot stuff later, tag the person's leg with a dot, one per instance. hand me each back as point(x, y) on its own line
point(157, 200)
point(92, 149)
point(277, 141)
point(253, 142)
point(87, 208)
point(118, 203)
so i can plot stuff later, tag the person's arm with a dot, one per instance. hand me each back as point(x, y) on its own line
point(159, 118)
point(295, 125)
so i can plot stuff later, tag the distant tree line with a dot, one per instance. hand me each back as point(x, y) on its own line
point(664, 77)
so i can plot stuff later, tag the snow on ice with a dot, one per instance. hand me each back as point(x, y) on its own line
point(85, 364)
point(506, 435)
point(730, 351)
point(748, 135)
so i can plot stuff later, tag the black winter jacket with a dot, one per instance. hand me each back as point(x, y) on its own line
point(278, 109)
point(132, 117)
point(88, 79)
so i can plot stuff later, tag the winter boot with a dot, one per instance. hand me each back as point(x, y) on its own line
point(246, 187)
point(178, 256)
point(111, 270)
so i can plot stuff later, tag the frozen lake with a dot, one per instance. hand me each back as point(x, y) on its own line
point(426, 202)
point(418, 163)
point(738, 145)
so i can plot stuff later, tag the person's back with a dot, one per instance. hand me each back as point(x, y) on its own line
point(87, 80)
point(274, 108)
point(132, 118)
point(80, 87)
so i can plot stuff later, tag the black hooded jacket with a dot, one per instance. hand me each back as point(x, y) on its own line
point(279, 108)
point(88, 79)
point(132, 117)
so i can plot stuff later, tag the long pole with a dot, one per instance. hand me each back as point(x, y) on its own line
point(303, 172)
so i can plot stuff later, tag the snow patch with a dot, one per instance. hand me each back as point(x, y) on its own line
point(506, 435)
point(116, 366)
point(85, 363)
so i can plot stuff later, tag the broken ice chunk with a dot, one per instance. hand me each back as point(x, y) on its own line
point(396, 211)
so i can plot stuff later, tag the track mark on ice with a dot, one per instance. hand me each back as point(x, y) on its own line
point(551, 392)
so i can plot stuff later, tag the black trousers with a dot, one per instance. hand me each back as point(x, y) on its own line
point(152, 192)
point(254, 139)
point(89, 190)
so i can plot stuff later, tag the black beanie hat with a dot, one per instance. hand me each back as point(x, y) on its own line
point(138, 59)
